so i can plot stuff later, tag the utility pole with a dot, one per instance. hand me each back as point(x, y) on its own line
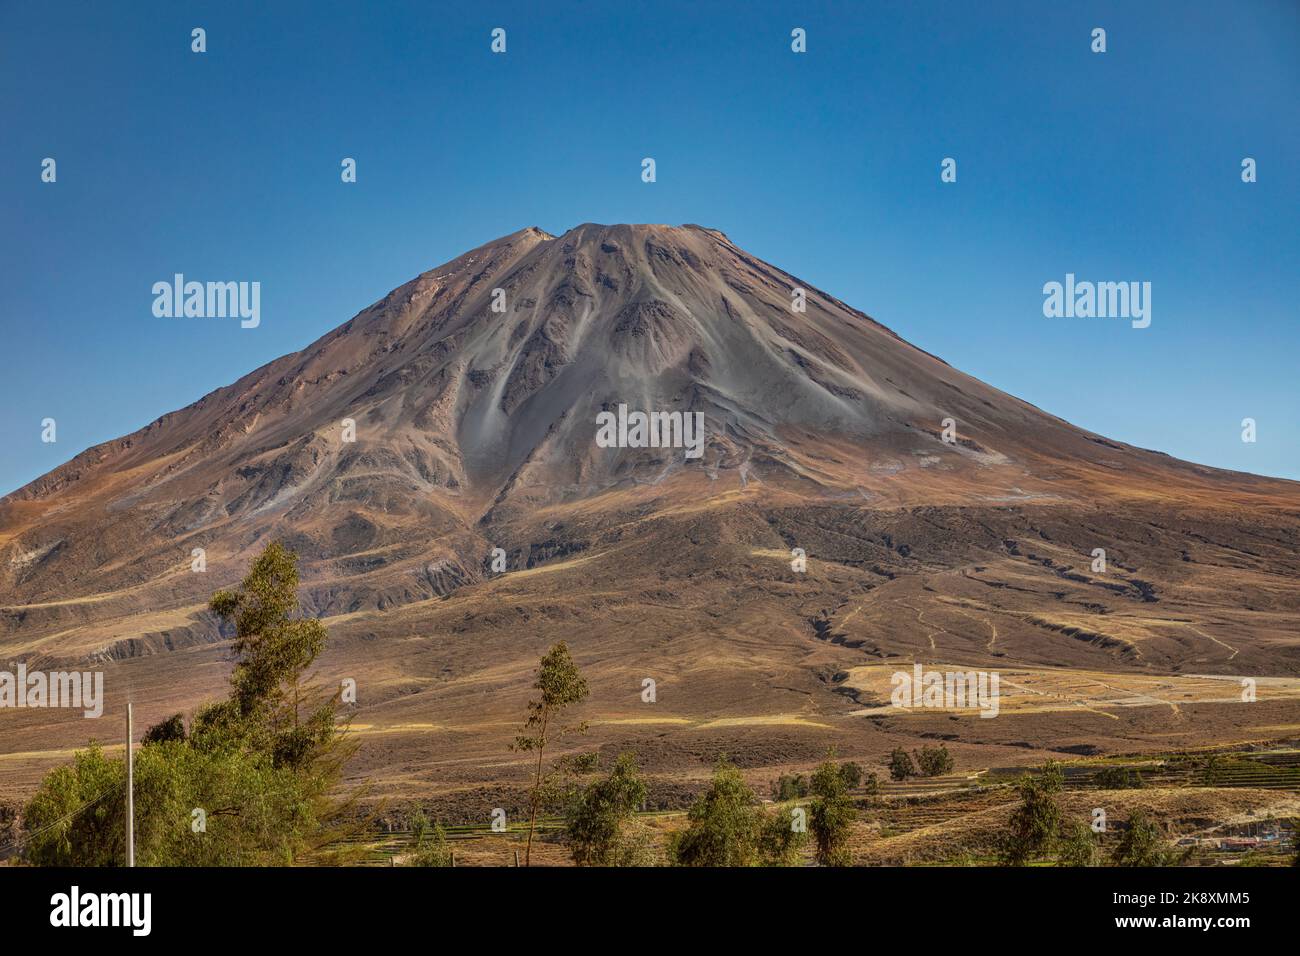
point(130, 792)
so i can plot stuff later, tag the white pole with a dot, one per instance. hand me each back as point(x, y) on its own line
point(130, 793)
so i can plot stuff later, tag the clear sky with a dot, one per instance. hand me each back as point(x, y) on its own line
point(225, 166)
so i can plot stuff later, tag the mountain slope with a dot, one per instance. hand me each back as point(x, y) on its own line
point(465, 415)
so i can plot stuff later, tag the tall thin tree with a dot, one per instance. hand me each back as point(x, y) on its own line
point(560, 686)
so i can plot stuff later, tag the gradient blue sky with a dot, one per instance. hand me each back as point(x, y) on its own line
point(225, 166)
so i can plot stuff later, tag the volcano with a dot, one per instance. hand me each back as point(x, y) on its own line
point(435, 463)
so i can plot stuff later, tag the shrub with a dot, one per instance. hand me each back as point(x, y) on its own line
point(599, 814)
point(832, 815)
point(900, 765)
point(728, 827)
point(1078, 847)
point(1119, 778)
point(1142, 844)
point(429, 843)
point(934, 761)
point(1035, 824)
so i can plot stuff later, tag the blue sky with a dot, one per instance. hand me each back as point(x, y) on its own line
point(1116, 166)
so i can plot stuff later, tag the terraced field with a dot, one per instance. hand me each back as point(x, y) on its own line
point(959, 818)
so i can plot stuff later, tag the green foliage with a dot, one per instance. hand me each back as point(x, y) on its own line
point(76, 816)
point(253, 813)
point(724, 824)
point(173, 728)
point(934, 761)
point(900, 765)
point(1119, 778)
point(1078, 846)
point(789, 787)
point(274, 647)
point(831, 815)
point(728, 827)
point(852, 773)
point(779, 841)
point(1142, 844)
point(8, 823)
point(560, 686)
point(637, 846)
point(251, 785)
point(871, 784)
point(1035, 824)
point(1212, 773)
point(598, 817)
point(429, 846)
